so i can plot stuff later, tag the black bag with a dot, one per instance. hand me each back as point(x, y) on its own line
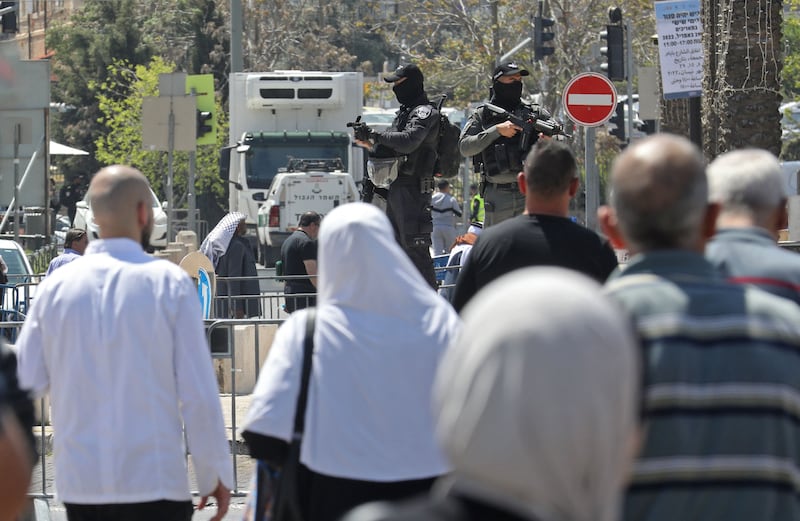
point(449, 159)
point(277, 497)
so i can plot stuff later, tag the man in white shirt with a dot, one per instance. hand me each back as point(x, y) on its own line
point(116, 336)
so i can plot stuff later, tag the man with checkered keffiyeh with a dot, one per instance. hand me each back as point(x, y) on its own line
point(232, 256)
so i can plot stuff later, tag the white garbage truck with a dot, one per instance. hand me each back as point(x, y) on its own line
point(290, 150)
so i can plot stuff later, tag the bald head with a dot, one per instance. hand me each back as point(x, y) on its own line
point(121, 202)
point(659, 193)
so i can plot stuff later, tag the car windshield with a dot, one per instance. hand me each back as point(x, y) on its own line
point(377, 117)
point(263, 162)
point(16, 264)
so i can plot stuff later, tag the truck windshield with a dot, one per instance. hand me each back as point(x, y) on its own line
point(263, 161)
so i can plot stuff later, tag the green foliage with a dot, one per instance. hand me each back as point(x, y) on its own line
point(456, 42)
point(791, 64)
point(97, 34)
point(105, 50)
point(120, 99)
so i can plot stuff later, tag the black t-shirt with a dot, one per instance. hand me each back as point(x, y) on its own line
point(297, 248)
point(532, 240)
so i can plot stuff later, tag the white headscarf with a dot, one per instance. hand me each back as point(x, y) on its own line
point(216, 243)
point(537, 398)
point(380, 333)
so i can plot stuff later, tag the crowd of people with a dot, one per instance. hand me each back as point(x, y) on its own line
point(554, 385)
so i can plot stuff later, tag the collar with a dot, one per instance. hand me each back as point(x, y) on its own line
point(671, 264)
point(118, 246)
point(70, 250)
point(749, 234)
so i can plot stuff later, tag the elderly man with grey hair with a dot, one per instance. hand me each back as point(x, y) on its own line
point(748, 186)
point(722, 375)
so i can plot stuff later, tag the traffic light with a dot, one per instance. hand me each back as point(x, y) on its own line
point(201, 88)
point(8, 17)
point(618, 120)
point(542, 33)
point(204, 125)
point(614, 51)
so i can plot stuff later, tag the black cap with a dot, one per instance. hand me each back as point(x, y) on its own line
point(409, 70)
point(508, 69)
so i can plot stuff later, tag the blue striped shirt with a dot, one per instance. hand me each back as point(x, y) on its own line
point(722, 394)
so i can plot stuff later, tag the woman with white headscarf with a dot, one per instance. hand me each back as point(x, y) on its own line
point(536, 406)
point(380, 332)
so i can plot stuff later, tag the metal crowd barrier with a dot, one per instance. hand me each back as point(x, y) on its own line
point(271, 299)
point(226, 350)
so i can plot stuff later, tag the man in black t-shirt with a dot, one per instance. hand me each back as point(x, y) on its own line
point(543, 235)
point(299, 257)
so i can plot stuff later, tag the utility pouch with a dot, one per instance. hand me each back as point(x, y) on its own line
point(382, 172)
point(426, 185)
point(501, 156)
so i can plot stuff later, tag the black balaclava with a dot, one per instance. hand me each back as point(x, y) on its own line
point(409, 90)
point(506, 95)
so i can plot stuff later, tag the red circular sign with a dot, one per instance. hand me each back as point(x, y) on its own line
point(590, 99)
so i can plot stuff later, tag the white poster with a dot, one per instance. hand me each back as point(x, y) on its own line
point(680, 47)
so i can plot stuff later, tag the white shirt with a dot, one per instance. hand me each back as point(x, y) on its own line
point(117, 338)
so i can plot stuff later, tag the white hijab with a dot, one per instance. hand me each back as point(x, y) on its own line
point(380, 333)
point(537, 398)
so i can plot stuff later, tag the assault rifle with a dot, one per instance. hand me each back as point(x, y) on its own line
point(548, 127)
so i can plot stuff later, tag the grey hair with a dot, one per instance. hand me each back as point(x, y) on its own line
point(747, 182)
point(660, 193)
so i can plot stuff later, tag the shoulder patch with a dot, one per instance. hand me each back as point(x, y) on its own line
point(423, 111)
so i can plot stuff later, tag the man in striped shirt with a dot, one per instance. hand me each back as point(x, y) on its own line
point(721, 360)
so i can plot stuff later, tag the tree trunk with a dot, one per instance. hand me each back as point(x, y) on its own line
point(741, 78)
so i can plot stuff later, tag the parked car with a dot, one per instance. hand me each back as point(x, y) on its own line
point(790, 120)
point(14, 301)
point(84, 219)
point(378, 119)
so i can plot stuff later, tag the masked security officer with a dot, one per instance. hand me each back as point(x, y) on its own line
point(401, 165)
point(494, 143)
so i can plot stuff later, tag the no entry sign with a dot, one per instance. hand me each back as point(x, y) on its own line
point(590, 99)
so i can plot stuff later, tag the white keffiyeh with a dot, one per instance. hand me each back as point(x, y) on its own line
point(216, 243)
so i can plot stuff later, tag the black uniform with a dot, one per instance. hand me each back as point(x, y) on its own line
point(413, 138)
point(499, 159)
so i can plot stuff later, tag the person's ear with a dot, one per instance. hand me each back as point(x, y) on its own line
point(574, 184)
point(521, 184)
point(607, 218)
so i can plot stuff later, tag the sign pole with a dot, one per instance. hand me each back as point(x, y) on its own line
point(170, 173)
point(629, 74)
point(17, 139)
point(592, 181)
point(190, 195)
